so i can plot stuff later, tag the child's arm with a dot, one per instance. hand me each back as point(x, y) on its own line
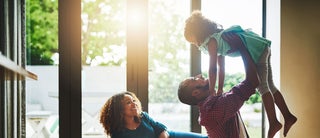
point(221, 63)
point(212, 50)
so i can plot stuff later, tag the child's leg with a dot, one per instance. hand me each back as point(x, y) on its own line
point(274, 124)
point(267, 98)
point(289, 118)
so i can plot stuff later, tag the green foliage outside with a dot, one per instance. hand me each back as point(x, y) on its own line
point(42, 31)
point(168, 52)
point(103, 32)
point(234, 79)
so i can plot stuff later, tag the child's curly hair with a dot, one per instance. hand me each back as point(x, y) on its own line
point(200, 27)
point(111, 114)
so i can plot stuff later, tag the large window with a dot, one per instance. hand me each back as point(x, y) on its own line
point(247, 14)
point(103, 30)
point(169, 61)
point(42, 113)
point(122, 49)
point(104, 58)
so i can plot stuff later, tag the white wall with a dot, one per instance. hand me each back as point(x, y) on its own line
point(97, 82)
point(300, 65)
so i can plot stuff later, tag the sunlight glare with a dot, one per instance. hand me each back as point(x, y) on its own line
point(135, 16)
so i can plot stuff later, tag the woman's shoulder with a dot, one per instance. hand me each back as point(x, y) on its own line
point(145, 115)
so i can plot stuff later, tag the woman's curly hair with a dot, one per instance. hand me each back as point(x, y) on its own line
point(200, 27)
point(111, 114)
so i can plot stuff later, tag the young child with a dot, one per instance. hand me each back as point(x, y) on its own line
point(206, 35)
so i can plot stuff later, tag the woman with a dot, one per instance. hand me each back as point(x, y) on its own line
point(122, 117)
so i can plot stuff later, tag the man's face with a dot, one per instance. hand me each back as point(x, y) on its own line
point(198, 83)
point(200, 87)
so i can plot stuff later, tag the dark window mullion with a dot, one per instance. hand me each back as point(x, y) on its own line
point(70, 68)
point(195, 68)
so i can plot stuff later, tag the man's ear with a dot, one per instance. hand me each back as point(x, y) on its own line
point(195, 92)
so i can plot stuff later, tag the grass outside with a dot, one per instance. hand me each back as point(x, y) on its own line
point(254, 132)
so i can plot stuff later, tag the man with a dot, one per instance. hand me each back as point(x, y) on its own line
point(219, 114)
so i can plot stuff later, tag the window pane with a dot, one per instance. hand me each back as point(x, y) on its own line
point(247, 14)
point(169, 62)
point(42, 59)
point(103, 59)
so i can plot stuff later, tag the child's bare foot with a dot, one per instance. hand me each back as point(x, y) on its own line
point(288, 123)
point(273, 129)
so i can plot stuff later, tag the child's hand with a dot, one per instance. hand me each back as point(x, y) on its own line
point(219, 92)
point(213, 92)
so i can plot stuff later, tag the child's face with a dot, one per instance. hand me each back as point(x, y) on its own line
point(192, 39)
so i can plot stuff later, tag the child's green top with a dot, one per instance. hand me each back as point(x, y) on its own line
point(254, 43)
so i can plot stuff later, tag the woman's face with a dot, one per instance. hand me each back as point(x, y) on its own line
point(130, 107)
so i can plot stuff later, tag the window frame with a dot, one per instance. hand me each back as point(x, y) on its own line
point(137, 72)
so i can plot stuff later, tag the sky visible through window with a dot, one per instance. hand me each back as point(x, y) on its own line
point(246, 13)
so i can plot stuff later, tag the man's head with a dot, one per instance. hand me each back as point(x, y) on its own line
point(193, 90)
